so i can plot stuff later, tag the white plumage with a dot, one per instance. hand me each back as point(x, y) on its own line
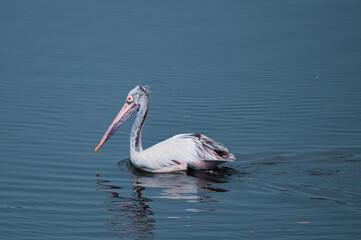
point(180, 152)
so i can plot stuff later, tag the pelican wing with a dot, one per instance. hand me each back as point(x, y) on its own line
point(181, 151)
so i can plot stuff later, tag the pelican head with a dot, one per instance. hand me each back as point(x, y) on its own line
point(137, 98)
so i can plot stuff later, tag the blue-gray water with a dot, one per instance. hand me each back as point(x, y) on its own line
point(277, 82)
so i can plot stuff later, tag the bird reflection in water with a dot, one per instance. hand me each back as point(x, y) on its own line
point(189, 185)
point(133, 214)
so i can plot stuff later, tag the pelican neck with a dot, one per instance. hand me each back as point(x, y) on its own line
point(136, 132)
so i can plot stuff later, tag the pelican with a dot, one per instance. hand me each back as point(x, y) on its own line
point(192, 150)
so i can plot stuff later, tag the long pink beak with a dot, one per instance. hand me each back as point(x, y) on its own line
point(127, 110)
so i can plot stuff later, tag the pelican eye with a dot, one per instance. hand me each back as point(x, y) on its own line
point(130, 99)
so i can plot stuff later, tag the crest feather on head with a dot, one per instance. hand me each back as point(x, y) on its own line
point(145, 89)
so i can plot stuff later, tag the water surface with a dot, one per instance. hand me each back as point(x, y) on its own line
point(278, 83)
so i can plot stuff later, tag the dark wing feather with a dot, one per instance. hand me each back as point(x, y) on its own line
point(217, 149)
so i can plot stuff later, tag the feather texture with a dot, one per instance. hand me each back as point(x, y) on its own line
point(182, 151)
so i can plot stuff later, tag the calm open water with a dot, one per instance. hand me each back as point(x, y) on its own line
point(277, 82)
